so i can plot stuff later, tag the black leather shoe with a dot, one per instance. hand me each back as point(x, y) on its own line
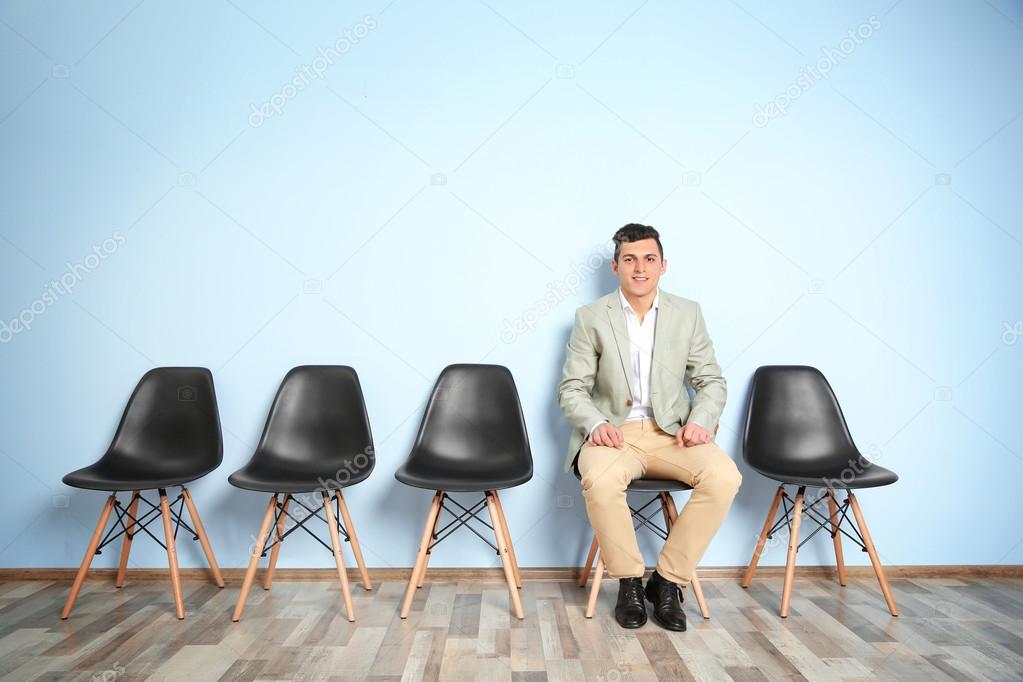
point(667, 600)
point(630, 611)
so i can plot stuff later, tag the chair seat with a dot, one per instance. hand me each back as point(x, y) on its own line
point(436, 474)
point(117, 474)
point(864, 476)
point(273, 475)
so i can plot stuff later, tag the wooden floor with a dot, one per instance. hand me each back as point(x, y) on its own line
point(949, 629)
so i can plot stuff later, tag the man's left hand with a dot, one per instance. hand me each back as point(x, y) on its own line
point(691, 434)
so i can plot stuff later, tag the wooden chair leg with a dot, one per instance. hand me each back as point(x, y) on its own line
point(665, 500)
point(122, 567)
point(90, 552)
point(768, 522)
point(204, 540)
point(508, 539)
point(878, 569)
point(701, 601)
point(429, 554)
point(354, 541)
point(424, 545)
point(257, 552)
point(271, 565)
point(172, 555)
point(790, 561)
point(836, 536)
point(500, 533)
point(598, 576)
point(668, 506)
point(584, 575)
point(335, 543)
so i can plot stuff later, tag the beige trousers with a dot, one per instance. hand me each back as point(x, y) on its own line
point(650, 452)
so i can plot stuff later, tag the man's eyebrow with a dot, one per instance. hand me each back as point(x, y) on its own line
point(645, 255)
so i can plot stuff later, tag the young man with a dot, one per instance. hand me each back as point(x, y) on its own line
point(632, 417)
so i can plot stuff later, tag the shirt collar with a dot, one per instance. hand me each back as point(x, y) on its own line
point(628, 306)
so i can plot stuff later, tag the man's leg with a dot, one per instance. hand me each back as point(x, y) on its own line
point(606, 473)
point(715, 481)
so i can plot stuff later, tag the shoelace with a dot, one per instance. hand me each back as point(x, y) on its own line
point(633, 591)
point(665, 592)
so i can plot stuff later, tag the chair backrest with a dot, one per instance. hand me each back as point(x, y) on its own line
point(319, 414)
point(793, 422)
point(474, 415)
point(172, 420)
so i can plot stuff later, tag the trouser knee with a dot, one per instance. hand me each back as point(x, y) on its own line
point(723, 480)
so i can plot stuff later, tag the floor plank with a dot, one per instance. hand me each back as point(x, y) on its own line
point(950, 629)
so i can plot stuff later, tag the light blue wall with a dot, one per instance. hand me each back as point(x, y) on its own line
point(872, 230)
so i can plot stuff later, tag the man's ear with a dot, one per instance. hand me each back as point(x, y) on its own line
point(664, 266)
point(614, 266)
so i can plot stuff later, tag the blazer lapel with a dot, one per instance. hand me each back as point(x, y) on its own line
point(616, 318)
point(662, 361)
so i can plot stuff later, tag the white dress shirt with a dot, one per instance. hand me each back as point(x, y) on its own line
point(641, 352)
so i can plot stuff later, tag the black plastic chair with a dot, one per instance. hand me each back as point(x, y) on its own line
point(796, 434)
point(662, 490)
point(169, 435)
point(316, 440)
point(472, 439)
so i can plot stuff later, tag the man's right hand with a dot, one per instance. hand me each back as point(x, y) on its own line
point(608, 435)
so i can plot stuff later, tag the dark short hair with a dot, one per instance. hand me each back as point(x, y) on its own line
point(634, 232)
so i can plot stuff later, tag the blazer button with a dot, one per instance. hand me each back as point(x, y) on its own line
point(629, 403)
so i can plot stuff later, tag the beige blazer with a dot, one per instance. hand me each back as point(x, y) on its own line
point(596, 381)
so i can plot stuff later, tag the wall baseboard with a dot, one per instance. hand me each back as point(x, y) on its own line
point(550, 574)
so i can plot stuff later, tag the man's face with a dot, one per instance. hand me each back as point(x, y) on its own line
point(639, 267)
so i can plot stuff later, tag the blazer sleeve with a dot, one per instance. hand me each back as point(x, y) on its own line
point(574, 391)
point(705, 377)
